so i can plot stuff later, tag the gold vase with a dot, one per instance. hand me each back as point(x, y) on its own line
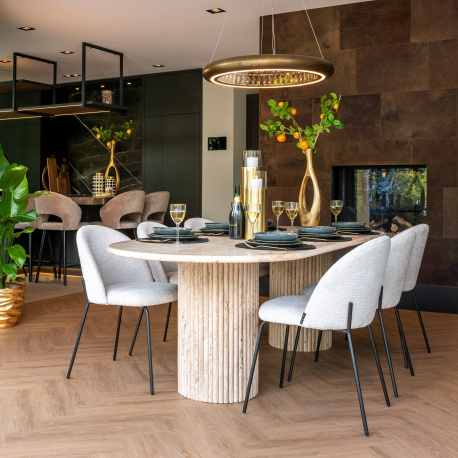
point(11, 302)
point(112, 164)
point(309, 217)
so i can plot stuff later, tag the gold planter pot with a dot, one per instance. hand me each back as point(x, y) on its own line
point(11, 302)
point(309, 217)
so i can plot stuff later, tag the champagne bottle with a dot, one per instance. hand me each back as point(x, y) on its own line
point(236, 218)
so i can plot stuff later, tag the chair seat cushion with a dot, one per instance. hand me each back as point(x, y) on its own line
point(284, 310)
point(173, 277)
point(58, 225)
point(141, 294)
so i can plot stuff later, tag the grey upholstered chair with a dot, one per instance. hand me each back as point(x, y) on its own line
point(68, 212)
point(196, 223)
point(112, 280)
point(345, 298)
point(22, 226)
point(155, 207)
point(129, 204)
point(421, 232)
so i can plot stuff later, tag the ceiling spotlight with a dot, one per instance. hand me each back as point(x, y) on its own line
point(102, 85)
point(158, 65)
point(67, 52)
point(75, 74)
point(129, 83)
point(26, 28)
point(4, 61)
point(70, 76)
point(77, 88)
point(216, 11)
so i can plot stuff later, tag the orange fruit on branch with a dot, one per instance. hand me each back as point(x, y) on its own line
point(336, 105)
point(280, 104)
point(98, 136)
point(281, 138)
point(108, 144)
point(304, 145)
point(128, 131)
point(296, 135)
point(293, 111)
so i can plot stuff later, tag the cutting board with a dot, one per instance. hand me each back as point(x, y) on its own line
point(52, 173)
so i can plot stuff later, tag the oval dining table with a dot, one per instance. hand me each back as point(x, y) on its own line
point(218, 302)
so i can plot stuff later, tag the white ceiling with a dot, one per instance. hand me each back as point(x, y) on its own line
point(177, 33)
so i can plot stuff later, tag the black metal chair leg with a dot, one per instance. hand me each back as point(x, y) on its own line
point(253, 366)
point(117, 334)
point(64, 262)
point(293, 357)
point(388, 355)
point(358, 386)
point(136, 331)
point(404, 353)
point(421, 321)
point(151, 385)
point(403, 341)
point(51, 254)
point(318, 343)
point(78, 340)
point(379, 367)
point(167, 322)
point(283, 362)
point(30, 257)
point(40, 254)
point(135, 233)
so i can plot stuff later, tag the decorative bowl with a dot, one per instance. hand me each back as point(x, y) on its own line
point(171, 230)
point(275, 236)
point(317, 229)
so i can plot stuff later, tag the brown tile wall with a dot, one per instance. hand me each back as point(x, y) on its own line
point(396, 67)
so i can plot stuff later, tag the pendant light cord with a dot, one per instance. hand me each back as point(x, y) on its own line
point(273, 30)
point(217, 41)
point(313, 30)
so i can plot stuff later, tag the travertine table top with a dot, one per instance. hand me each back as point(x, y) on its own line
point(223, 250)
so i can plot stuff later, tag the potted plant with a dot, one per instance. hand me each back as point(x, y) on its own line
point(15, 195)
point(306, 140)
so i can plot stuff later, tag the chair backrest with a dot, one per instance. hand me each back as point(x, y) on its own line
point(396, 267)
point(356, 278)
point(196, 223)
point(157, 268)
point(63, 207)
point(421, 232)
point(100, 268)
point(129, 203)
point(155, 207)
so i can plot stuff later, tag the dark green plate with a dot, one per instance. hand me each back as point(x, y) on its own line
point(322, 236)
point(276, 243)
point(191, 236)
point(275, 236)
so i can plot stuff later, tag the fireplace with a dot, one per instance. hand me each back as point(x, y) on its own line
point(388, 198)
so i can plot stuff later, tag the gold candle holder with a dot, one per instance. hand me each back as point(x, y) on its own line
point(254, 196)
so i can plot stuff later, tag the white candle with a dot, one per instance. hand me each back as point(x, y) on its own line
point(256, 183)
point(252, 162)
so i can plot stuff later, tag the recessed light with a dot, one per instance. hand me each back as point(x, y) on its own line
point(129, 83)
point(102, 85)
point(67, 52)
point(216, 10)
point(77, 88)
point(4, 61)
point(158, 65)
point(70, 76)
point(26, 28)
point(75, 74)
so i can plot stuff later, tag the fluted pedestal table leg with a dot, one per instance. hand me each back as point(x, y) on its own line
point(288, 278)
point(217, 329)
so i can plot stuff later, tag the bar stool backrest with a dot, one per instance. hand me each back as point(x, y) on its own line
point(100, 268)
point(129, 203)
point(355, 278)
point(61, 206)
point(156, 204)
point(421, 231)
point(196, 223)
point(396, 267)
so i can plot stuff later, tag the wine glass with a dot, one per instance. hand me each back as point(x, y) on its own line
point(253, 211)
point(177, 212)
point(336, 208)
point(292, 210)
point(277, 207)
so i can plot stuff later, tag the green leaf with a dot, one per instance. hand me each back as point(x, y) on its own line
point(4, 164)
point(292, 131)
point(27, 230)
point(340, 126)
point(19, 279)
point(336, 122)
point(277, 123)
point(33, 195)
point(287, 116)
point(323, 98)
point(263, 127)
point(10, 270)
point(12, 178)
point(17, 254)
point(272, 103)
point(334, 96)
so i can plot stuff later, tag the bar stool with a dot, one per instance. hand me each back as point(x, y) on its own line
point(129, 204)
point(69, 214)
point(22, 226)
point(155, 207)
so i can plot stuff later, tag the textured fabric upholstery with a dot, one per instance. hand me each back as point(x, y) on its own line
point(396, 267)
point(155, 207)
point(308, 290)
point(34, 224)
point(126, 204)
point(421, 232)
point(102, 270)
point(56, 226)
point(356, 278)
point(158, 269)
point(196, 223)
point(137, 294)
point(61, 206)
point(173, 277)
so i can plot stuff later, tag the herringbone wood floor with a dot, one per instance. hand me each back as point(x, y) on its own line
point(105, 409)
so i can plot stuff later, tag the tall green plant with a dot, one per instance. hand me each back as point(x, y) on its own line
point(15, 195)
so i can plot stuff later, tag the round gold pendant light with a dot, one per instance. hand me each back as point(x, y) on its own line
point(268, 70)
